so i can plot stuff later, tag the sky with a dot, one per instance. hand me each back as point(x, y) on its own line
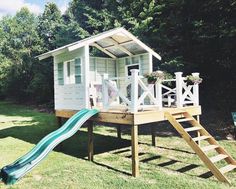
point(10, 7)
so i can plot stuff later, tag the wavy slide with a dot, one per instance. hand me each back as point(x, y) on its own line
point(13, 172)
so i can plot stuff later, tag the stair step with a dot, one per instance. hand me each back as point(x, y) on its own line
point(200, 138)
point(227, 168)
point(192, 129)
point(218, 158)
point(210, 147)
point(184, 119)
point(178, 113)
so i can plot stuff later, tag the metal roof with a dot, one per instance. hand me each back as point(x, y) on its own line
point(115, 43)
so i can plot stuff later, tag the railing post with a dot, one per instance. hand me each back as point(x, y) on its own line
point(179, 88)
point(159, 94)
point(134, 90)
point(196, 91)
point(105, 98)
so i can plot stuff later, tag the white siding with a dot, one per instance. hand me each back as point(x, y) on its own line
point(99, 66)
point(69, 96)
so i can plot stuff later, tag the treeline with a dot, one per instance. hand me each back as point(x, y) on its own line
point(189, 35)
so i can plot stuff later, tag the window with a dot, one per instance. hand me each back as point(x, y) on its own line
point(60, 73)
point(78, 78)
point(131, 67)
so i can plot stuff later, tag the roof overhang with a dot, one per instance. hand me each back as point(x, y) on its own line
point(115, 43)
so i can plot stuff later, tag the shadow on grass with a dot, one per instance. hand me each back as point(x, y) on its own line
point(75, 146)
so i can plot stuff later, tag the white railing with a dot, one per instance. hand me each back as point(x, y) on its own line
point(136, 94)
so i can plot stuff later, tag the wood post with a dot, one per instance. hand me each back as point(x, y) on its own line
point(134, 143)
point(90, 141)
point(59, 124)
point(59, 121)
point(179, 88)
point(196, 91)
point(134, 90)
point(119, 131)
point(159, 94)
point(86, 74)
point(153, 131)
point(198, 133)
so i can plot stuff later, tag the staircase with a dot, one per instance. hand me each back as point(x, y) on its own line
point(194, 142)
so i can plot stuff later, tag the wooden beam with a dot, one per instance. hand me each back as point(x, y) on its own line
point(153, 131)
point(134, 143)
point(90, 141)
point(127, 118)
point(123, 43)
point(121, 47)
point(95, 38)
point(104, 50)
point(119, 131)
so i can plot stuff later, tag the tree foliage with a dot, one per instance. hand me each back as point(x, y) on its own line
point(190, 36)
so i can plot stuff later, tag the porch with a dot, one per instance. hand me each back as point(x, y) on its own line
point(134, 94)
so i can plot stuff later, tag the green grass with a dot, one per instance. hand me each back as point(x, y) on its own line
point(171, 164)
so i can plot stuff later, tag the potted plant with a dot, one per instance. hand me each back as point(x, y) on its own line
point(193, 79)
point(156, 76)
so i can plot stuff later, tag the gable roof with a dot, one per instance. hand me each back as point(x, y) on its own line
point(115, 43)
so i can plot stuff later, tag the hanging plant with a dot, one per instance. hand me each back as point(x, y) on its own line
point(156, 76)
point(193, 80)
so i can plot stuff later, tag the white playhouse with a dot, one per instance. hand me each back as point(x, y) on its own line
point(115, 85)
point(114, 81)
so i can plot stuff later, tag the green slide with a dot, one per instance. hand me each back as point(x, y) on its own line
point(13, 172)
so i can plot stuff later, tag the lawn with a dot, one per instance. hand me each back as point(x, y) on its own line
point(172, 164)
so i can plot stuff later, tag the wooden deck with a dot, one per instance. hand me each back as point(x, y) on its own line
point(127, 118)
point(130, 119)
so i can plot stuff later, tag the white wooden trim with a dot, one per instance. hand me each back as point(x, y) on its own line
point(86, 75)
point(126, 68)
point(150, 61)
point(179, 88)
point(92, 39)
point(134, 90)
point(121, 58)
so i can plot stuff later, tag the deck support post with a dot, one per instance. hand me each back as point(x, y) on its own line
point(90, 141)
point(59, 124)
point(153, 131)
point(119, 131)
point(134, 144)
point(59, 121)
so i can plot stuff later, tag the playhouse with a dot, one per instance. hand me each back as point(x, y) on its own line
point(113, 83)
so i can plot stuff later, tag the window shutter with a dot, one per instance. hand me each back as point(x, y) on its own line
point(78, 75)
point(60, 70)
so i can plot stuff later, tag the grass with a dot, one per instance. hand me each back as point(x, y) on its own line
point(171, 164)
